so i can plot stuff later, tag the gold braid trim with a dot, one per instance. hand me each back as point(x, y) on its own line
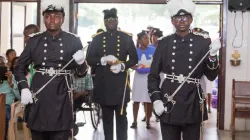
point(96, 34)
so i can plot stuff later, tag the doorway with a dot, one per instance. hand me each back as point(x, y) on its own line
point(136, 16)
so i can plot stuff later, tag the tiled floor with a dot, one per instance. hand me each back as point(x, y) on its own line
point(210, 132)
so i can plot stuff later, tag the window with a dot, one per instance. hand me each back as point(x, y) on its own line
point(23, 14)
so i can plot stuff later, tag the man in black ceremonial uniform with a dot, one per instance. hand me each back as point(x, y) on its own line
point(108, 53)
point(50, 110)
point(176, 56)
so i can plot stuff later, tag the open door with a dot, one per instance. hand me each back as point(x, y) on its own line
point(136, 15)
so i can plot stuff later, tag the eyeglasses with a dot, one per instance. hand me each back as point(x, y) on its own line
point(181, 18)
point(111, 19)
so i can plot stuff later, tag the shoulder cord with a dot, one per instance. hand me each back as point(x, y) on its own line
point(70, 91)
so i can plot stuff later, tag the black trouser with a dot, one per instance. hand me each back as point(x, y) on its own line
point(173, 132)
point(121, 122)
point(50, 135)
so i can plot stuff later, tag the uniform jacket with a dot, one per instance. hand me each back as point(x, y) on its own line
point(176, 55)
point(108, 86)
point(53, 110)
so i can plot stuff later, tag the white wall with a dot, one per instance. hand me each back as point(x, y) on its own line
point(241, 72)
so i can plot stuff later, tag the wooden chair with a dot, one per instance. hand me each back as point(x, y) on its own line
point(240, 96)
point(16, 112)
point(2, 115)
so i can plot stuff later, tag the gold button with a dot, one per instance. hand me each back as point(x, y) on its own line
point(118, 50)
point(104, 54)
point(118, 45)
point(104, 46)
point(118, 40)
point(104, 50)
point(104, 37)
point(104, 41)
point(118, 54)
point(118, 36)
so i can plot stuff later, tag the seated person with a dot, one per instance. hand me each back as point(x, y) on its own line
point(8, 86)
point(82, 86)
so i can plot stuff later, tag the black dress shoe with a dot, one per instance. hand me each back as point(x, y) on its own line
point(144, 119)
point(134, 125)
point(148, 125)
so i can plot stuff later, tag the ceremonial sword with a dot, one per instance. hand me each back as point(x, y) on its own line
point(171, 97)
point(60, 70)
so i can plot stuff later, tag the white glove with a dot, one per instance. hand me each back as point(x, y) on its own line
point(79, 57)
point(158, 107)
point(105, 59)
point(111, 58)
point(26, 96)
point(117, 68)
point(214, 47)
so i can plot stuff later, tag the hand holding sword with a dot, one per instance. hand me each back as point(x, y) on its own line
point(26, 96)
point(213, 49)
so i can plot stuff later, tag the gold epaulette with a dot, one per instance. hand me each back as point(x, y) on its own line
point(200, 32)
point(197, 30)
point(96, 34)
point(34, 34)
point(130, 34)
point(161, 38)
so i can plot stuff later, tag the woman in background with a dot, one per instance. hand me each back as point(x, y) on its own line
point(140, 90)
point(13, 64)
point(7, 86)
point(156, 34)
point(10, 55)
point(207, 87)
point(149, 32)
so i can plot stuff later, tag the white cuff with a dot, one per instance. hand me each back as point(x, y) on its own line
point(104, 61)
point(123, 67)
point(212, 60)
point(150, 94)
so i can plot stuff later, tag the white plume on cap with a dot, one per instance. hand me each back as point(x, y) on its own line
point(57, 3)
point(174, 6)
point(189, 6)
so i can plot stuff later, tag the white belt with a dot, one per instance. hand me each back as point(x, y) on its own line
point(181, 78)
point(51, 71)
